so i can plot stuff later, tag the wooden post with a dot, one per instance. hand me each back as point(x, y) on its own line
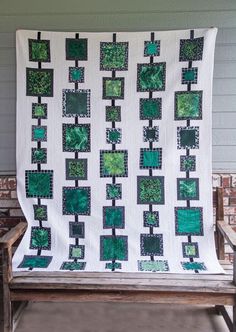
point(220, 216)
point(7, 276)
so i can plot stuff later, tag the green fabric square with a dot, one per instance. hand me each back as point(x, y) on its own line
point(39, 82)
point(151, 77)
point(41, 262)
point(73, 266)
point(150, 159)
point(76, 103)
point(113, 113)
point(194, 266)
point(76, 201)
point(152, 48)
point(188, 221)
point(113, 217)
point(188, 189)
point(189, 75)
point(39, 184)
point(76, 169)
point(40, 238)
point(191, 49)
point(151, 244)
point(113, 163)
point(150, 190)
point(151, 218)
point(113, 88)
point(39, 133)
point(114, 248)
point(76, 137)
point(113, 191)
point(76, 74)
point(113, 135)
point(39, 111)
point(114, 56)
point(188, 137)
point(76, 251)
point(188, 105)
point(39, 50)
point(153, 266)
point(150, 109)
point(39, 156)
point(76, 49)
point(40, 212)
point(76, 229)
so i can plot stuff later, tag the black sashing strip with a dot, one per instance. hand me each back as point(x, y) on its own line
point(113, 73)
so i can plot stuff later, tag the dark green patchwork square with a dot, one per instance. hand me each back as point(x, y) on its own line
point(151, 134)
point(150, 218)
point(38, 262)
point(189, 75)
point(150, 158)
point(76, 103)
point(76, 137)
point(113, 56)
point(153, 266)
point(151, 244)
point(113, 113)
point(39, 50)
point(76, 229)
point(152, 48)
point(187, 137)
point(187, 163)
point(190, 249)
point(76, 169)
point(151, 77)
point(73, 266)
point(113, 217)
point(76, 74)
point(76, 201)
point(113, 88)
point(113, 248)
point(113, 163)
point(188, 105)
point(113, 191)
point(191, 49)
point(76, 251)
point(187, 189)
point(39, 133)
point(188, 221)
point(196, 266)
point(39, 184)
point(150, 108)
point(39, 82)
point(40, 238)
point(113, 266)
point(39, 156)
point(113, 135)
point(76, 49)
point(40, 212)
point(150, 190)
point(39, 111)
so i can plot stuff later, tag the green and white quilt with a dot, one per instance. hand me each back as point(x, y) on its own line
point(114, 151)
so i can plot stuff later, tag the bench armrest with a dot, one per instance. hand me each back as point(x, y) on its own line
point(8, 239)
point(228, 233)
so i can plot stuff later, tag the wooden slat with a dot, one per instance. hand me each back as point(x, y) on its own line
point(123, 296)
point(10, 237)
point(228, 233)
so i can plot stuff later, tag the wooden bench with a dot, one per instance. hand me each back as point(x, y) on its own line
point(218, 290)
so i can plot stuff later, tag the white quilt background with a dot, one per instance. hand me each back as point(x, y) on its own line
point(132, 140)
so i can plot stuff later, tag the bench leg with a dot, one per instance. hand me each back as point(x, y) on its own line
point(234, 319)
point(7, 276)
point(7, 312)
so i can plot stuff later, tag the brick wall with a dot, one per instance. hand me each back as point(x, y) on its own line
point(10, 208)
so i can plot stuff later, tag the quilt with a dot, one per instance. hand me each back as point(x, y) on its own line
point(114, 151)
